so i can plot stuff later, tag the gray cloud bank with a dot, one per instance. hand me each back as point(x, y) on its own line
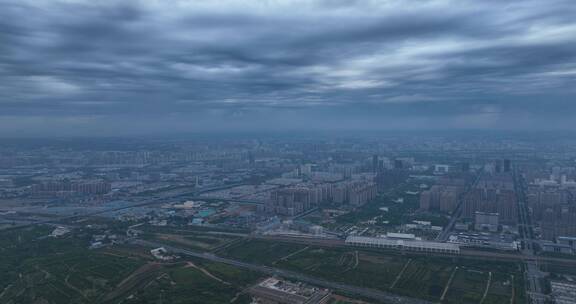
point(149, 66)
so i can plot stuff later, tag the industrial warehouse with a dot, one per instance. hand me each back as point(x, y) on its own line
point(409, 245)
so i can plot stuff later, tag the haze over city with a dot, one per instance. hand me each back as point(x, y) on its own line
point(287, 152)
point(138, 67)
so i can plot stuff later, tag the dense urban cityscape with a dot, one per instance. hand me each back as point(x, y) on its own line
point(385, 218)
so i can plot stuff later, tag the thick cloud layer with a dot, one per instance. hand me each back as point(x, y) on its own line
point(152, 66)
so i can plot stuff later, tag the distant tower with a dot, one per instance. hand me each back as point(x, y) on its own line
point(498, 166)
point(398, 164)
point(507, 165)
point(375, 163)
point(251, 159)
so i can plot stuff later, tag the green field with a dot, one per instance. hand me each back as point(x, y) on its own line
point(347, 266)
point(261, 252)
point(500, 290)
point(423, 277)
point(38, 269)
point(468, 286)
point(182, 284)
point(191, 238)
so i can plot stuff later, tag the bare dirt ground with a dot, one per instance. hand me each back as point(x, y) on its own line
point(206, 272)
point(143, 274)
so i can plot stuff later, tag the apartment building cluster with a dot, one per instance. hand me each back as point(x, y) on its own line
point(71, 187)
point(355, 193)
point(443, 196)
point(554, 208)
point(296, 199)
point(493, 193)
point(558, 221)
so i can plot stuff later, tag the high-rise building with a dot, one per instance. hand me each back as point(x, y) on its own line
point(498, 166)
point(559, 220)
point(441, 198)
point(398, 164)
point(389, 178)
point(492, 194)
point(289, 201)
point(355, 193)
point(486, 221)
point(507, 165)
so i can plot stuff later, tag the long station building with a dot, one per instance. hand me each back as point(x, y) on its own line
point(408, 245)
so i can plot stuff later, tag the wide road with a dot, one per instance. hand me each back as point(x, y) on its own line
point(378, 295)
point(533, 274)
point(455, 216)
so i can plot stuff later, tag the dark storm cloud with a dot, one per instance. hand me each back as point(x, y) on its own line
point(226, 63)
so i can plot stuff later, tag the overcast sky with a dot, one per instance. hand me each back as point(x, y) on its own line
point(124, 67)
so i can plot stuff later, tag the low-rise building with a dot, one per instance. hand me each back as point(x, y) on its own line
point(161, 254)
point(276, 291)
point(563, 244)
point(548, 246)
point(563, 292)
point(409, 245)
point(60, 231)
point(486, 221)
point(567, 240)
